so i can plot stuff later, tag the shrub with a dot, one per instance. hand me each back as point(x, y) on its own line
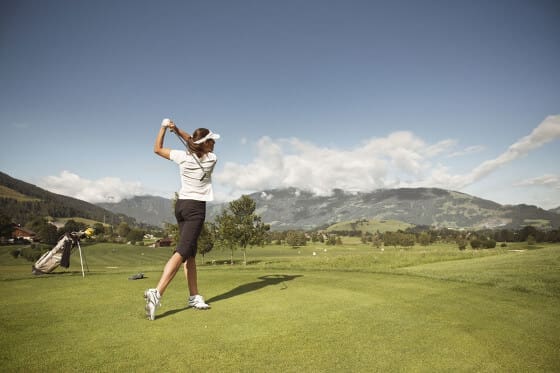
point(424, 239)
point(15, 253)
point(476, 243)
point(32, 253)
point(489, 244)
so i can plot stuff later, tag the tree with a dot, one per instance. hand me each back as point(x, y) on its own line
point(390, 239)
point(226, 232)
point(315, 237)
point(366, 237)
point(406, 239)
point(462, 243)
point(123, 229)
point(489, 243)
point(376, 241)
point(296, 239)
point(36, 224)
point(205, 242)
point(527, 231)
point(504, 235)
point(108, 231)
point(278, 237)
point(99, 228)
point(6, 227)
point(135, 235)
point(72, 226)
point(331, 240)
point(238, 225)
point(48, 233)
point(399, 239)
point(424, 239)
point(476, 243)
point(171, 231)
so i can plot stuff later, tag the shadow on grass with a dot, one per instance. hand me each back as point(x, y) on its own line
point(60, 274)
point(264, 281)
point(253, 286)
point(229, 262)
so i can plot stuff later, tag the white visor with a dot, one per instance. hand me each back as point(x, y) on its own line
point(211, 136)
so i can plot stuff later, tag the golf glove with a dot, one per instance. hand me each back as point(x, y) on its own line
point(166, 122)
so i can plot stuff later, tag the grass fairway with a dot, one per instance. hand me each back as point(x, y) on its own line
point(348, 308)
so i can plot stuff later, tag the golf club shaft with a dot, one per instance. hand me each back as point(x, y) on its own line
point(194, 156)
point(180, 138)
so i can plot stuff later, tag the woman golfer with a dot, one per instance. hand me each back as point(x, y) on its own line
point(195, 169)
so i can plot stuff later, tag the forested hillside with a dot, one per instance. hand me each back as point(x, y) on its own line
point(21, 202)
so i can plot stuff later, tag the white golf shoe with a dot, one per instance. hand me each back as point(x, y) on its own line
point(197, 301)
point(152, 302)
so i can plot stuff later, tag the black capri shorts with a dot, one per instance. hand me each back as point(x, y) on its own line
point(190, 216)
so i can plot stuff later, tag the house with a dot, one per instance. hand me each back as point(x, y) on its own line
point(163, 242)
point(20, 233)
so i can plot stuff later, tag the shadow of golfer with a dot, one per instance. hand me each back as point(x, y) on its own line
point(265, 281)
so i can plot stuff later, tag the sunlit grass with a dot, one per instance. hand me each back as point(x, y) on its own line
point(349, 308)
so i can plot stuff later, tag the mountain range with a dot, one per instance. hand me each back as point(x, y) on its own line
point(151, 210)
point(291, 208)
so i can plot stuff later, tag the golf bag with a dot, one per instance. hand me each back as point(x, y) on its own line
point(58, 255)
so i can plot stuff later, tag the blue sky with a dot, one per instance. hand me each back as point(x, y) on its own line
point(358, 95)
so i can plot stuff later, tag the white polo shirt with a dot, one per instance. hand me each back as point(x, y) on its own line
point(191, 185)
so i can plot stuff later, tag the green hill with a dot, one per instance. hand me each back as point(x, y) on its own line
point(6, 192)
point(21, 202)
point(370, 226)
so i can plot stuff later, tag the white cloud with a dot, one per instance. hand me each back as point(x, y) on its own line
point(547, 131)
point(401, 159)
point(548, 180)
point(266, 196)
point(377, 163)
point(107, 189)
point(467, 151)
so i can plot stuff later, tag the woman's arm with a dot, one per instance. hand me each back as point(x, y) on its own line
point(158, 147)
point(181, 133)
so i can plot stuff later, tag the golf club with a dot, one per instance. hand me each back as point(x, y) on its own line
point(204, 172)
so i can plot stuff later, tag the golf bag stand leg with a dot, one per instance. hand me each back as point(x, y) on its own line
point(81, 260)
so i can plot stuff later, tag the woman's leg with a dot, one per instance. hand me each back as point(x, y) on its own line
point(169, 271)
point(191, 275)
